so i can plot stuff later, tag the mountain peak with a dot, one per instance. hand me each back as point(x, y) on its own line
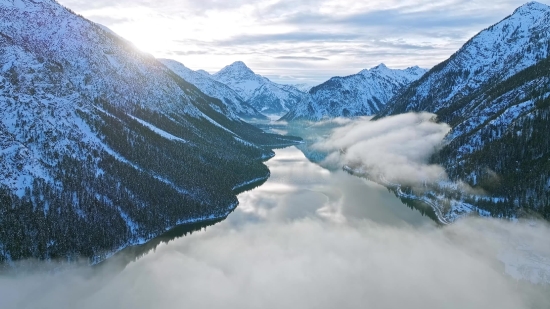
point(377, 69)
point(237, 68)
point(531, 6)
point(203, 72)
point(416, 70)
point(239, 65)
point(381, 66)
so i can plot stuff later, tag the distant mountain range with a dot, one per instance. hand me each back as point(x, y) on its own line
point(361, 94)
point(248, 94)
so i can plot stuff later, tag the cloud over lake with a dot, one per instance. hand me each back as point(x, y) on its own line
point(308, 263)
point(397, 147)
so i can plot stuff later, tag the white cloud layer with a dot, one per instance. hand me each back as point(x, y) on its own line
point(306, 264)
point(284, 39)
point(397, 147)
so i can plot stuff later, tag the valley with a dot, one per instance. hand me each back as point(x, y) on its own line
point(108, 154)
point(131, 179)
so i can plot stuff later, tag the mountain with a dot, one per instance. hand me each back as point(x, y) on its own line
point(495, 54)
point(494, 92)
point(203, 72)
point(302, 87)
point(258, 91)
point(202, 80)
point(360, 94)
point(102, 146)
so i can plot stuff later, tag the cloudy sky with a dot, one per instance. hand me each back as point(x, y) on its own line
point(298, 40)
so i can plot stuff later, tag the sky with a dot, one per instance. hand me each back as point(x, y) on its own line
point(297, 41)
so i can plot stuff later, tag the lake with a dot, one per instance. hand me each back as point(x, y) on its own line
point(300, 189)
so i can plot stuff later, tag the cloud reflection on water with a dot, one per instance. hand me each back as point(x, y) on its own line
point(301, 189)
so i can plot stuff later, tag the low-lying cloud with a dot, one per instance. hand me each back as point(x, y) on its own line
point(397, 147)
point(308, 263)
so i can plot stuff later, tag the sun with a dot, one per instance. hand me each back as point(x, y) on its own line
point(146, 37)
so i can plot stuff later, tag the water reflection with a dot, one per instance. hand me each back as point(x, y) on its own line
point(298, 189)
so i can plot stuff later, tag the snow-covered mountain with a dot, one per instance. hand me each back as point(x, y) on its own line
point(495, 93)
point(258, 91)
point(364, 93)
point(302, 87)
point(101, 145)
point(495, 54)
point(203, 72)
point(202, 80)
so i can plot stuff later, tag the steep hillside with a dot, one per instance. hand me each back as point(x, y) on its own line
point(494, 93)
point(258, 91)
point(495, 54)
point(102, 146)
point(503, 147)
point(360, 94)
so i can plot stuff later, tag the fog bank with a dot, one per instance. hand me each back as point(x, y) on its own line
point(397, 147)
point(309, 263)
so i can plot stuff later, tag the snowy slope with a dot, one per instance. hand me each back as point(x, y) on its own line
point(495, 94)
point(98, 138)
point(258, 91)
point(302, 87)
point(360, 94)
point(202, 80)
point(495, 54)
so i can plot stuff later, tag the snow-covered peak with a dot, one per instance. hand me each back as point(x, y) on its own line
point(380, 67)
point(416, 71)
point(237, 68)
point(302, 87)
point(204, 81)
point(241, 78)
point(259, 91)
point(531, 7)
point(203, 72)
point(404, 76)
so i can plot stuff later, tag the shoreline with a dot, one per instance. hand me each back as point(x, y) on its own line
point(396, 189)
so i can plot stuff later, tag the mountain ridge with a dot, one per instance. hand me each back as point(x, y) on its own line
point(211, 87)
point(258, 91)
point(361, 94)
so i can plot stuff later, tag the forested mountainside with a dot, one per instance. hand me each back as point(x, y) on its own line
point(503, 146)
point(101, 145)
point(494, 93)
point(202, 80)
point(258, 91)
point(361, 94)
